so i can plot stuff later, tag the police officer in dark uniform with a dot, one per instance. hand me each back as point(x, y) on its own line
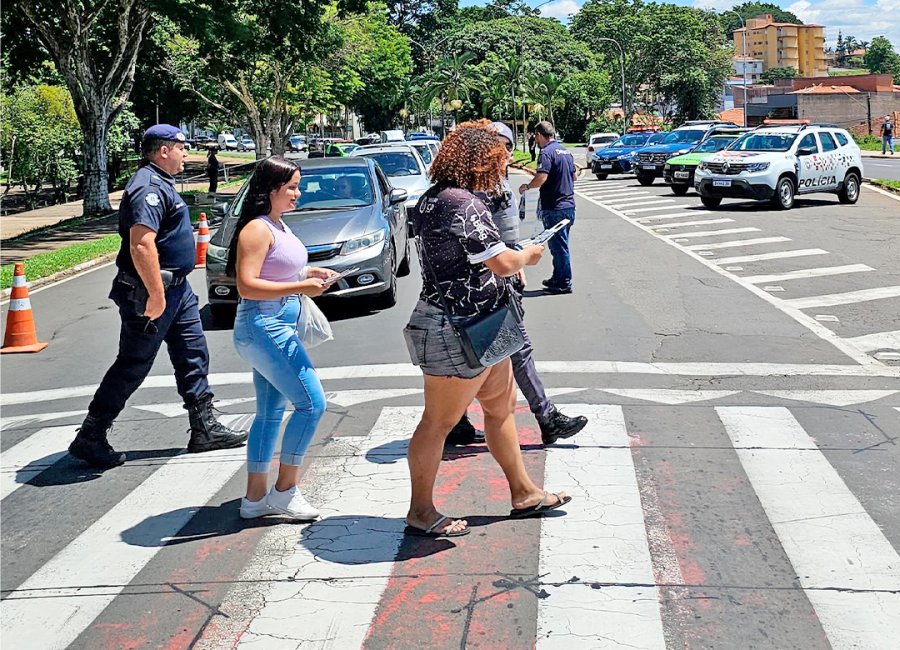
point(156, 304)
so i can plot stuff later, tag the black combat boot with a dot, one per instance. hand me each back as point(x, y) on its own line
point(558, 426)
point(92, 447)
point(207, 433)
point(465, 433)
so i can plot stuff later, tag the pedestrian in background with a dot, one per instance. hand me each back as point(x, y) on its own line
point(212, 169)
point(887, 135)
point(555, 177)
point(531, 145)
point(156, 304)
point(266, 259)
point(553, 423)
point(467, 263)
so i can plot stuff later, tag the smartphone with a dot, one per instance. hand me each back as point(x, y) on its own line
point(543, 236)
point(342, 274)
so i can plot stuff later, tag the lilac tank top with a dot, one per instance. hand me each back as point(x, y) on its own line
point(286, 257)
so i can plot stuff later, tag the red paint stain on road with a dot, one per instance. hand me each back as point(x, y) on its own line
point(742, 540)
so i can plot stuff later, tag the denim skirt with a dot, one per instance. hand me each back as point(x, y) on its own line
point(433, 345)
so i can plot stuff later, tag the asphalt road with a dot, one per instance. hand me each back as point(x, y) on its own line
point(883, 168)
point(737, 486)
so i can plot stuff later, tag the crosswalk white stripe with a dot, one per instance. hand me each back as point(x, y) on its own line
point(623, 204)
point(712, 233)
point(662, 207)
point(64, 596)
point(602, 540)
point(846, 566)
point(762, 257)
point(627, 191)
point(877, 341)
point(738, 243)
point(674, 215)
point(848, 298)
point(36, 453)
point(685, 224)
point(802, 274)
point(12, 421)
point(341, 559)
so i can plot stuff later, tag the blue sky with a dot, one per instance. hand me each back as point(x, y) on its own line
point(863, 19)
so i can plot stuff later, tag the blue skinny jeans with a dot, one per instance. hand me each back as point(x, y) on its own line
point(265, 335)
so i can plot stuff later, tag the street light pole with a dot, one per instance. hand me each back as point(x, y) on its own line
point(744, 35)
point(622, 70)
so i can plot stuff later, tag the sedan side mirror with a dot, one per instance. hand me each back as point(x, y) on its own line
point(399, 195)
point(806, 151)
point(219, 211)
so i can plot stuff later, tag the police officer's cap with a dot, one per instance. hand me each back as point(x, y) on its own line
point(503, 130)
point(164, 132)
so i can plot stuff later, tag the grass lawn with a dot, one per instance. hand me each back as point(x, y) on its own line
point(524, 159)
point(888, 183)
point(40, 266)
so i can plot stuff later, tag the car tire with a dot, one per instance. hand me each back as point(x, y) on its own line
point(388, 298)
point(223, 313)
point(711, 201)
point(644, 179)
point(849, 192)
point(680, 190)
point(601, 177)
point(783, 199)
point(403, 270)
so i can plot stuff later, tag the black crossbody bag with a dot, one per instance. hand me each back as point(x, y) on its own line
point(487, 339)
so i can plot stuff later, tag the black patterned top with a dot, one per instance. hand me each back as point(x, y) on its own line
point(458, 234)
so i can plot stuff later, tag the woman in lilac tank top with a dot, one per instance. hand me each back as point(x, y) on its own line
point(267, 259)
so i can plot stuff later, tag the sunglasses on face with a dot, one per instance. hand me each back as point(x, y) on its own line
point(509, 147)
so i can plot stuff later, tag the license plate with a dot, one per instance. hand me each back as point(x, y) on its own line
point(722, 183)
point(682, 174)
point(605, 166)
point(649, 167)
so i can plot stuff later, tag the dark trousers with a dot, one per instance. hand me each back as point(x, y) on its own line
point(213, 181)
point(139, 342)
point(528, 380)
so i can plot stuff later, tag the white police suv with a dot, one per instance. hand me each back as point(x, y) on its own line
point(776, 163)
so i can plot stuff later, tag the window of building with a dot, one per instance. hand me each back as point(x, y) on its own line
point(828, 143)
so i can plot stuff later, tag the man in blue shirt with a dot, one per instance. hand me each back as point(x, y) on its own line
point(556, 179)
point(156, 304)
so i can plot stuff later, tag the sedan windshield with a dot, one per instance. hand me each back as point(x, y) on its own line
point(424, 151)
point(656, 138)
point(399, 163)
point(688, 136)
point(630, 141)
point(713, 144)
point(764, 142)
point(334, 188)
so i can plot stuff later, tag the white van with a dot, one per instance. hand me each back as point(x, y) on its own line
point(395, 135)
point(227, 142)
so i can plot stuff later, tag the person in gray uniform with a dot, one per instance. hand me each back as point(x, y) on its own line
point(553, 423)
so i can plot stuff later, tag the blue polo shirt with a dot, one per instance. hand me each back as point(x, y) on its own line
point(150, 200)
point(558, 192)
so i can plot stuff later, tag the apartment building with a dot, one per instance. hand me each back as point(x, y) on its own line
point(782, 45)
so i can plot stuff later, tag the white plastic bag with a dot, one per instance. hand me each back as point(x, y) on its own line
point(312, 326)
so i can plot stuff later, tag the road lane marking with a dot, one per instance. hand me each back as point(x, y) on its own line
point(56, 604)
point(762, 257)
point(672, 215)
point(685, 224)
point(627, 205)
point(848, 298)
point(642, 210)
point(830, 397)
point(738, 243)
point(802, 274)
point(846, 566)
point(670, 396)
point(37, 452)
point(877, 341)
point(12, 421)
point(602, 540)
point(713, 233)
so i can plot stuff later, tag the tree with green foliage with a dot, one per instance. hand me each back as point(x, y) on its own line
point(582, 97)
point(748, 10)
point(772, 75)
point(544, 89)
point(881, 58)
point(453, 81)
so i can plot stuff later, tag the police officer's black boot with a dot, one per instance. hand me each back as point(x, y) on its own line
point(558, 425)
point(207, 433)
point(465, 433)
point(92, 447)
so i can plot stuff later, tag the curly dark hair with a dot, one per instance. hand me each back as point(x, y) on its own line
point(473, 157)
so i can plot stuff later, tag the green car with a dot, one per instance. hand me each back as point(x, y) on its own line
point(679, 171)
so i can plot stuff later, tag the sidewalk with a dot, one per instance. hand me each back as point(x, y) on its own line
point(878, 154)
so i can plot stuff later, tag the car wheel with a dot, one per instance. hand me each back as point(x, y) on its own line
point(388, 298)
point(784, 194)
point(711, 201)
point(680, 190)
point(403, 269)
point(601, 177)
point(849, 192)
point(644, 179)
point(223, 313)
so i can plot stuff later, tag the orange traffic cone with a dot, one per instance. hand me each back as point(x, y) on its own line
point(21, 335)
point(202, 241)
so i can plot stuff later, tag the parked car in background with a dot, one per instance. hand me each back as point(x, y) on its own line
point(618, 157)
point(425, 148)
point(679, 170)
point(394, 135)
point(348, 215)
point(403, 166)
point(596, 142)
point(421, 135)
point(335, 150)
point(297, 142)
point(246, 144)
point(650, 161)
point(776, 163)
point(227, 142)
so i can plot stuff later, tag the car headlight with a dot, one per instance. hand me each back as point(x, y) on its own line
point(366, 241)
point(757, 167)
point(667, 167)
point(217, 253)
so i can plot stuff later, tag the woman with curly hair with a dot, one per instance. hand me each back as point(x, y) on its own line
point(465, 266)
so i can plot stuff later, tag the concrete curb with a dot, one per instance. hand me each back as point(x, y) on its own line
point(65, 274)
point(882, 186)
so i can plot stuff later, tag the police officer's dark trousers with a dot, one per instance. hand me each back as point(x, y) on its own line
point(139, 342)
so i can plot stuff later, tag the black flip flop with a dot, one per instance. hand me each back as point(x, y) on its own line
point(540, 508)
point(431, 532)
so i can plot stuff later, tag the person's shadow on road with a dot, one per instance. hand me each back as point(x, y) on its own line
point(56, 469)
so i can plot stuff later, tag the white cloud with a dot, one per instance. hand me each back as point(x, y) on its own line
point(560, 9)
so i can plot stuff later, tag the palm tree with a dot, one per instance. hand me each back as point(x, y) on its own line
point(544, 89)
point(510, 74)
point(452, 80)
point(495, 99)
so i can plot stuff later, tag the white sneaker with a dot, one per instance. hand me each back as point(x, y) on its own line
point(254, 509)
point(292, 504)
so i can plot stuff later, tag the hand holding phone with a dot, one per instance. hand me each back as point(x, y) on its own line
point(338, 276)
point(545, 235)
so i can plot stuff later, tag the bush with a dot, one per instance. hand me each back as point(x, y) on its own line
point(868, 142)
